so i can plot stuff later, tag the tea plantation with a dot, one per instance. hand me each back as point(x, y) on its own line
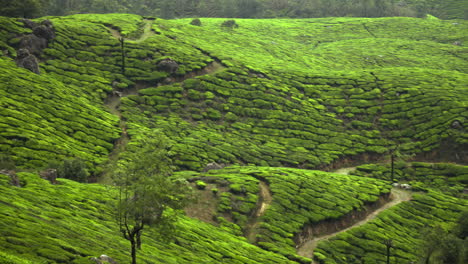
point(271, 102)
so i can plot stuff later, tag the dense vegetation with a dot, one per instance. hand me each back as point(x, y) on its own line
point(263, 95)
point(447, 9)
point(69, 222)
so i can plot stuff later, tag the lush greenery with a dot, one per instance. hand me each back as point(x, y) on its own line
point(445, 177)
point(260, 94)
point(447, 9)
point(71, 222)
point(404, 224)
point(300, 198)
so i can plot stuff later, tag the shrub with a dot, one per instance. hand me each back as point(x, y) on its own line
point(230, 24)
point(73, 169)
point(200, 185)
point(6, 162)
point(196, 22)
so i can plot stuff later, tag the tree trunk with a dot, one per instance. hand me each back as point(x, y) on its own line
point(393, 166)
point(388, 255)
point(132, 241)
point(138, 237)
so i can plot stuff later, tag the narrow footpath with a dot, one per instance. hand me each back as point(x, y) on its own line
point(112, 102)
point(265, 200)
point(397, 196)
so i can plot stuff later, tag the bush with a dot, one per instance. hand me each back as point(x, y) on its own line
point(6, 162)
point(200, 185)
point(230, 24)
point(73, 169)
point(196, 22)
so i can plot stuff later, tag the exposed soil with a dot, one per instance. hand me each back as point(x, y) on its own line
point(204, 208)
point(264, 202)
point(112, 102)
point(344, 171)
point(326, 230)
point(147, 32)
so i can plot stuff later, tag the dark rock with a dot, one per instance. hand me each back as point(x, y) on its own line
point(44, 32)
point(213, 166)
point(50, 175)
point(27, 61)
point(14, 180)
point(47, 23)
point(168, 65)
point(457, 125)
point(28, 23)
point(33, 43)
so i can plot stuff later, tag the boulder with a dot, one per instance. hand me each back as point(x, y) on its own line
point(33, 43)
point(27, 60)
point(50, 175)
point(213, 166)
point(44, 32)
point(456, 125)
point(47, 23)
point(103, 259)
point(405, 186)
point(168, 65)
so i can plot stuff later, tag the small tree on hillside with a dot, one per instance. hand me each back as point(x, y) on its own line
point(396, 154)
point(148, 194)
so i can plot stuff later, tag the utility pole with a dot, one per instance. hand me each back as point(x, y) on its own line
point(122, 46)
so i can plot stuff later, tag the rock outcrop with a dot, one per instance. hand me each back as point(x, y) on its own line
point(32, 45)
point(168, 65)
point(27, 60)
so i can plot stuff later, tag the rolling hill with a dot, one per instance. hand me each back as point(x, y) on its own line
point(278, 103)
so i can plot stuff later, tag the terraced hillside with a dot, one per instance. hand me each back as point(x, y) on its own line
point(263, 96)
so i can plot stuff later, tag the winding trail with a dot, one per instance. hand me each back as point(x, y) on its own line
point(397, 196)
point(112, 102)
point(265, 200)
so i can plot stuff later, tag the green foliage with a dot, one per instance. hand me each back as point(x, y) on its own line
point(21, 8)
point(196, 22)
point(445, 177)
point(447, 9)
point(300, 198)
point(200, 185)
point(230, 24)
point(41, 223)
point(73, 169)
point(148, 196)
point(404, 224)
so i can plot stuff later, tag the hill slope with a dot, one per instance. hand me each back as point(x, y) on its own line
point(298, 93)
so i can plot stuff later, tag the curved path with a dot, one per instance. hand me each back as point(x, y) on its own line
point(397, 195)
point(265, 201)
point(113, 100)
point(147, 32)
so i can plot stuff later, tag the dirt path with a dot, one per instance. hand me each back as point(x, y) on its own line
point(398, 196)
point(265, 200)
point(344, 171)
point(147, 32)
